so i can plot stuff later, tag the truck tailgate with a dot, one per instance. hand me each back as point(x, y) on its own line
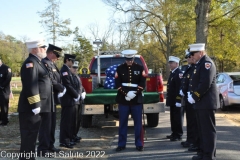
point(109, 97)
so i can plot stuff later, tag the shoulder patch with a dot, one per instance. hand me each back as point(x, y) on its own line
point(180, 75)
point(9, 70)
point(29, 65)
point(208, 65)
point(65, 73)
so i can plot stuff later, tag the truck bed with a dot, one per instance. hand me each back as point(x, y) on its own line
point(107, 96)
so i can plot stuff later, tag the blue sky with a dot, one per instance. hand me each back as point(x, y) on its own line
point(19, 17)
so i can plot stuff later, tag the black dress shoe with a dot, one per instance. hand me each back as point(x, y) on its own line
point(65, 145)
point(169, 136)
point(187, 145)
point(139, 148)
point(193, 149)
point(120, 148)
point(72, 143)
point(3, 124)
point(75, 140)
point(198, 157)
point(175, 139)
point(78, 138)
point(182, 143)
point(53, 149)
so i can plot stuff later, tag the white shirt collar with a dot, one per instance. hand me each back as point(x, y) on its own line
point(174, 69)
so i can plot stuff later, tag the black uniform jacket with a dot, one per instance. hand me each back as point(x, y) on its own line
point(185, 80)
point(5, 78)
point(202, 84)
point(55, 78)
point(36, 86)
point(67, 80)
point(134, 74)
point(79, 87)
point(173, 88)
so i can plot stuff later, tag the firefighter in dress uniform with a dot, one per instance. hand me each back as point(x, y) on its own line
point(130, 82)
point(35, 98)
point(192, 134)
point(78, 104)
point(5, 78)
point(47, 129)
point(67, 102)
point(173, 99)
point(204, 97)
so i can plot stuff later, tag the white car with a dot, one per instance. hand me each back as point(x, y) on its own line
point(228, 84)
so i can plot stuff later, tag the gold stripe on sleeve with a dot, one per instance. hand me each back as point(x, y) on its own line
point(34, 99)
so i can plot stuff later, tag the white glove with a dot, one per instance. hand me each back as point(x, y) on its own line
point(62, 93)
point(178, 105)
point(190, 99)
point(181, 93)
point(83, 95)
point(131, 94)
point(127, 98)
point(77, 99)
point(36, 110)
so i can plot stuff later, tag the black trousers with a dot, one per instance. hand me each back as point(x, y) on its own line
point(76, 119)
point(66, 124)
point(47, 131)
point(53, 127)
point(192, 127)
point(176, 119)
point(29, 126)
point(4, 102)
point(207, 132)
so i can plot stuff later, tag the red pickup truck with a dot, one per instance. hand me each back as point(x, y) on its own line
point(102, 101)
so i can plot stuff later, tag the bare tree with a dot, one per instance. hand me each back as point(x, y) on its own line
point(54, 26)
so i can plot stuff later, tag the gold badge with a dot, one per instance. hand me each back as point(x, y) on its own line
point(194, 71)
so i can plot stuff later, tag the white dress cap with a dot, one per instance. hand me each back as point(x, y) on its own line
point(75, 64)
point(186, 52)
point(35, 43)
point(197, 47)
point(173, 59)
point(129, 53)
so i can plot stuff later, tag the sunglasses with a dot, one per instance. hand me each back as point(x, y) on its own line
point(192, 53)
point(43, 47)
point(188, 56)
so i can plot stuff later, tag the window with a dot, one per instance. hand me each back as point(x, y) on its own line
point(220, 78)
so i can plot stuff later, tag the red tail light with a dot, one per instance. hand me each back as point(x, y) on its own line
point(160, 87)
point(230, 87)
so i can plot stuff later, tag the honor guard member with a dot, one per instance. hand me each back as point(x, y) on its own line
point(48, 122)
point(78, 104)
point(130, 82)
point(67, 102)
point(173, 99)
point(204, 97)
point(5, 78)
point(35, 97)
point(192, 134)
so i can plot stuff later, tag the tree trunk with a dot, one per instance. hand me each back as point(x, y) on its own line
point(202, 10)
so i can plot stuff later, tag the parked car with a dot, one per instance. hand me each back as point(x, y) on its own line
point(228, 84)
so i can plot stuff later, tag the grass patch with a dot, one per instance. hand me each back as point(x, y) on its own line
point(16, 79)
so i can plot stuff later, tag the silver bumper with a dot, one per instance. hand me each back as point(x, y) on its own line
point(99, 109)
